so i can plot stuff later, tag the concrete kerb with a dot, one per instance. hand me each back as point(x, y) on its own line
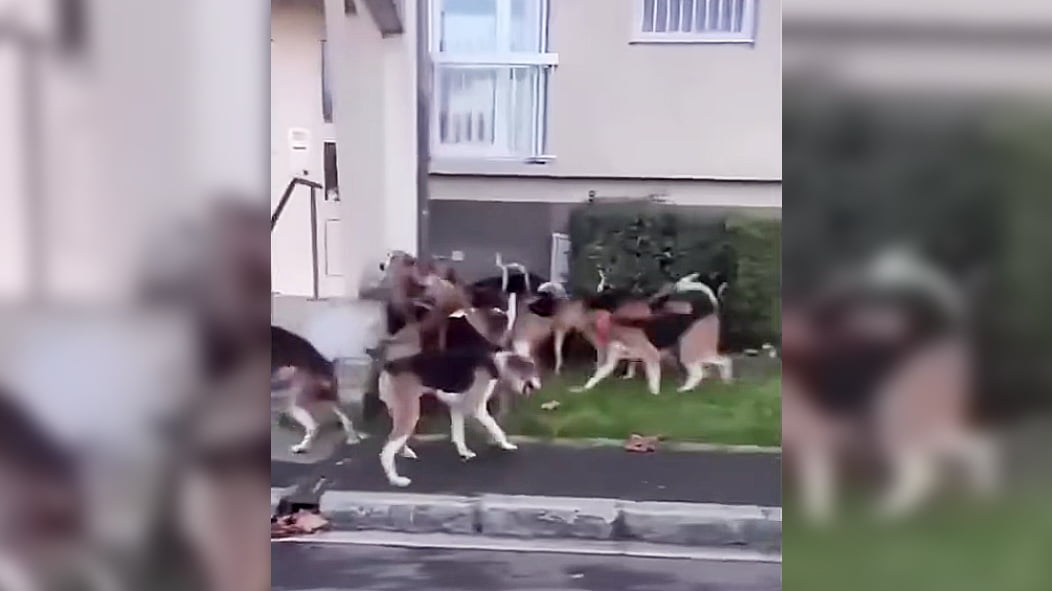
point(683, 524)
point(603, 442)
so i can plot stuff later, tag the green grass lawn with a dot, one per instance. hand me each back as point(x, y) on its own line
point(745, 412)
point(954, 546)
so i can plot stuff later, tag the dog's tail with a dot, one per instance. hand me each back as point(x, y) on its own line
point(553, 289)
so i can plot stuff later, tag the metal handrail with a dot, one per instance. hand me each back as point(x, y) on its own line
point(288, 193)
point(314, 187)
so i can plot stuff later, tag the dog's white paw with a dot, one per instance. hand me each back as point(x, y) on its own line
point(508, 446)
point(400, 481)
point(578, 389)
point(299, 448)
point(408, 453)
point(467, 454)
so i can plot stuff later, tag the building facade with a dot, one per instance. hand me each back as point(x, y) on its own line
point(469, 127)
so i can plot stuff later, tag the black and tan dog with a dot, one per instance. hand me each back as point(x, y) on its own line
point(464, 377)
point(644, 329)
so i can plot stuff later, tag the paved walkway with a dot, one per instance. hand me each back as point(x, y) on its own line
point(544, 469)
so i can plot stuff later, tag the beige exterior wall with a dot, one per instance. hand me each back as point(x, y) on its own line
point(623, 109)
point(373, 85)
point(374, 114)
point(297, 31)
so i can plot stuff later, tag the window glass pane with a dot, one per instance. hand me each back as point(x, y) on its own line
point(661, 22)
point(525, 26)
point(687, 21)
point(648, 16)
point(673, 15)
point(521, 106)
point(725, 16)
point(467, 100)
point(490, 109)
point(701, 12)
point(326, 89)
point(469, 26)
point(332, 177)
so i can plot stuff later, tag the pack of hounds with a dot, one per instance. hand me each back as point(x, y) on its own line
point(465, 344)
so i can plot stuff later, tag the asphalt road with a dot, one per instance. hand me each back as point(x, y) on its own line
point(550, 470)
point(334, 567)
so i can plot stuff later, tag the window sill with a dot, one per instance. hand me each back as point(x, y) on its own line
point(482, 165)
point(691, 41)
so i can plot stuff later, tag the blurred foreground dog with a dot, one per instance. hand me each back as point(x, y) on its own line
point(882, 360)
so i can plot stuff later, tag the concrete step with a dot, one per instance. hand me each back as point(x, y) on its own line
point(707, 525)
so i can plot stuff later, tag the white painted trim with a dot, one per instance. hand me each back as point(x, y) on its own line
point(548, 546)
point(481, 160)
point(487, 60)
point(526, 189)
point(690, 41)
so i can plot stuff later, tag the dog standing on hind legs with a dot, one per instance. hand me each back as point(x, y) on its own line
point(464, 380)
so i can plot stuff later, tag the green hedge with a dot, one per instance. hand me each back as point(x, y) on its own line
point(644, 245)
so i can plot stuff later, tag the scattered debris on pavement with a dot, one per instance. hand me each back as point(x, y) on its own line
point(300, 523)
point(642, 444)
point(550, 405)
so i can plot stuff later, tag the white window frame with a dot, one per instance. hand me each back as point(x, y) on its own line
point(746, 36)
point(544, 61)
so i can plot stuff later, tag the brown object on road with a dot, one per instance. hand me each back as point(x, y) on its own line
point(299, 523)
point(642, 444)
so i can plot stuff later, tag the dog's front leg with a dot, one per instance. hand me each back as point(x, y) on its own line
point(610, 361)
point(310, 426)
point(912, 478)
point(560, 340)
point(816, 471)
point(490, 424)
point(456, 419)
